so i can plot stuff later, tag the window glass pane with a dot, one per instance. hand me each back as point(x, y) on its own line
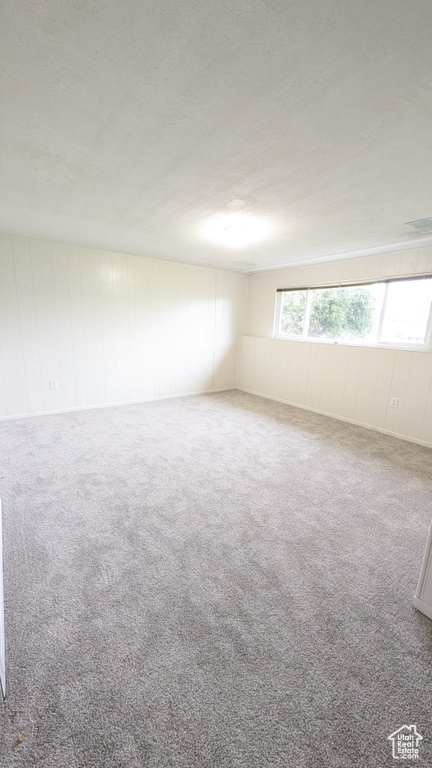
point(293, 308)
point(345, 314)
point(407, 311)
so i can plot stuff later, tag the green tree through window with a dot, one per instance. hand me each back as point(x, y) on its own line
point(341, 313)
point(293, 312)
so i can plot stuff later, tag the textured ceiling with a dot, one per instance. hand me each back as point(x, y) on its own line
point(125, 125)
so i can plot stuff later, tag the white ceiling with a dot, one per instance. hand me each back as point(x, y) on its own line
point(127, 124)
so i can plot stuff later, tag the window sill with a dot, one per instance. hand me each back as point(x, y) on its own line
point(369, 345)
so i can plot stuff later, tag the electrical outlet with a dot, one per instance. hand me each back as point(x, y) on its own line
point(394, 402)
point(279, 377)
point(53, 384)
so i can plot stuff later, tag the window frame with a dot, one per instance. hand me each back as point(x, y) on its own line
point(417, 347)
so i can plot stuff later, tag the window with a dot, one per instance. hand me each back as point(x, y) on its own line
point(394, 312)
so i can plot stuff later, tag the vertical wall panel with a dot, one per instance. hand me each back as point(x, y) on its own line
point(390, 263)
point(279, 369)
point(413, 406)
point(426, 431)
point(246, 362)
point(132, 326)
point(106, 280)
point(46, 322)
point(314, 375)
point(223, 347)
point(259, 372)
point(28, 324)
point(424, 260)
point(121, 327)
point(291, 358)
point(383, 385)
point(271, 366)
point(92, 324)
point(165, 320)
point(230, 311)
point(408, 262)
point(77, 325)
point(185, 373)
point(303, 371)
point(64, 325)
point(401, 373)
point(325, 388)
point(367, 378)
point(146, 371)
point(206, 288)
point(338, 380)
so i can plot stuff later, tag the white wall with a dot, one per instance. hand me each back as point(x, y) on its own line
point(110, 328)
point(352, 383)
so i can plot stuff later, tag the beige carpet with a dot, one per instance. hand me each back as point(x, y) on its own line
point(211, 582)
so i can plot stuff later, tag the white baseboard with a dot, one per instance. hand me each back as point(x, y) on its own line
point(339, 418)
point(114, 405)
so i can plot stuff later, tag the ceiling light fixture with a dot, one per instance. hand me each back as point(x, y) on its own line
point(234, 236)
point(235, 230)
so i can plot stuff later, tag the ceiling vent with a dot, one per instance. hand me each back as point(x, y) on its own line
point(424, 226)
point(243, 264)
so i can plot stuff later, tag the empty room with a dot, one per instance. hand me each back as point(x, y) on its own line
point(215, 384)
